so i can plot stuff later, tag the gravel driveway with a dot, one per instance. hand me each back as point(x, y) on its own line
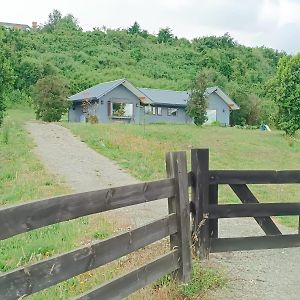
point(267, 274)
point(84, 169)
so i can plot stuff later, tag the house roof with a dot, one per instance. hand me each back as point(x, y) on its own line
point(166, 97)
point(14, 25)
point(101, 89)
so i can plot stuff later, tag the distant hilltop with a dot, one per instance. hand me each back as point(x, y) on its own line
point(18, 26)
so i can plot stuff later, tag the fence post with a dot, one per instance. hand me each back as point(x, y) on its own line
point(200, 198)
point(176, 165)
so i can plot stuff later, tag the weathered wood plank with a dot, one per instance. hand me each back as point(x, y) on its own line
point(200, 194)
point(36, 214)
point(33, 278)
point(176, 164)
point(255, 243)
point(253, 177)
point(213, 202)
point(124, 285)
point(253, 210)
point(246, 196)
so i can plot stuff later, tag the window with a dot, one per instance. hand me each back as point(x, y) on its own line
point(152, 110)
point(172, 111)
point(121, 110)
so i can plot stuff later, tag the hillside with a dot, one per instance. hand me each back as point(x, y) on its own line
point(157, 61)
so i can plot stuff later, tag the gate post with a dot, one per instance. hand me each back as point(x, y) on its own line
point(176, 164)
point(200, 199)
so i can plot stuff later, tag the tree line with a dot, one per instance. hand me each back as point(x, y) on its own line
point(61, 51)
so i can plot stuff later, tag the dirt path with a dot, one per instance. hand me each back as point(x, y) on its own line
point(268, 274)
point(83, 169)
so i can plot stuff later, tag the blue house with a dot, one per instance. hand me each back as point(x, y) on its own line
point(121, 101)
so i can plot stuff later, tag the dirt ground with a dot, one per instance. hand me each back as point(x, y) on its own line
point(267, 274)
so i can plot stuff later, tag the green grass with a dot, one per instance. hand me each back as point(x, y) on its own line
point(203, 279)
point(142, 152)
point(23, 178)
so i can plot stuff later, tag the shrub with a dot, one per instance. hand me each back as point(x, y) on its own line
point(50, 98)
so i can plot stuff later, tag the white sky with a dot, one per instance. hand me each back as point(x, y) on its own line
point(273, 23)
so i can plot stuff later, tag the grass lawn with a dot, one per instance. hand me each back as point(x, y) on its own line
point(142, 150)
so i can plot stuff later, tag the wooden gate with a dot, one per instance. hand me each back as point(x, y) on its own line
point(208, 211)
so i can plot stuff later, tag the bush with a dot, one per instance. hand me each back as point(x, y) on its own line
point(50, 98)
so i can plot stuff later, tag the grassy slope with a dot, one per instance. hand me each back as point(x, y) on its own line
point(141, 151)
point(23, 178)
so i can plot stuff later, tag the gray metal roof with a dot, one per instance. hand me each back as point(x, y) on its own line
point(97, 91)
point(166, 97)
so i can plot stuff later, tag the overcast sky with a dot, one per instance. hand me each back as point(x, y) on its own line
point(273, 23)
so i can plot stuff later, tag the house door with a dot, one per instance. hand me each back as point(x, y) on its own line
point(211, 116)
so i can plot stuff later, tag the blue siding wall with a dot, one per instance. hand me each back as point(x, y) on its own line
point(181, 117)
point(222, 109)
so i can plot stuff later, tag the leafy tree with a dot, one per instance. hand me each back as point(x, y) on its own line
point(6, 79)
point(286, 92)
point(135, 28)
point(165, 35)
point(50, 98)
point(197, 104)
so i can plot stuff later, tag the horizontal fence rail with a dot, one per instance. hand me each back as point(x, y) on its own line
point(253, 210)
point(43, 274)
point(254, 243)
point(253, 177)
point(32, 215)
point(124, 285)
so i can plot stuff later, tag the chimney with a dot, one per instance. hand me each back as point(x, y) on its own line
point(34, 25)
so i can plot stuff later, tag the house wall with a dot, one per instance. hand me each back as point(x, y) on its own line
point(119, 94)
point(180, 118)
point(222, 109)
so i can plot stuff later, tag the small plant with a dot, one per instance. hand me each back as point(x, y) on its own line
point(6, 131)
point(93, 119)
point(5, 134)
point(202, 280)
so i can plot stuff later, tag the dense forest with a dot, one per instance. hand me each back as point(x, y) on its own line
point(84, 58)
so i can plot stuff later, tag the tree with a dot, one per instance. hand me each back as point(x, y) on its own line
point(285, 89)
point(165, 35)
point(50, 98)
point(135, 28)
point(6, 79)
point(197, 104)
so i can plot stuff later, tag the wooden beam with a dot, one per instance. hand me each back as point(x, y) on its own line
point(246, 196)
point(253, 177)
point(32, 215)
point(176, 164)
point(253, 210)
point(255, 243)
point(213, 202)
point(38, 276)
point(124, 285)
point(200, 194)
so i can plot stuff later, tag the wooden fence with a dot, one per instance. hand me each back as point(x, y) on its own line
point(22, 218)
point(205, 184)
